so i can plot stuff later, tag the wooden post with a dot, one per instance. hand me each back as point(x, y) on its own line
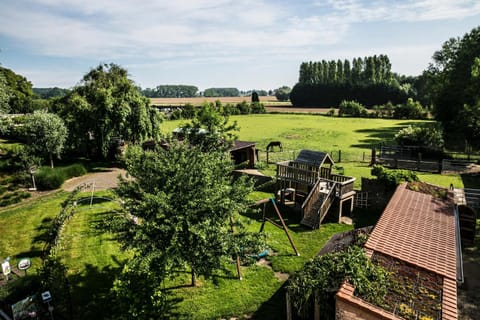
point(339, 156)
point(374, 157)
point(238, 257)
point(289, 306)
point(316, 306)
point(285, 228)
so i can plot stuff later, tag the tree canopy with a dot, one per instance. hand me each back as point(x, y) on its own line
point(19, 90)
point(221, 92)
point(171, 91)
point(4, 95)
point(454, 82)
point(185, 202)
point(283, 93)
point(45, 134)
point(367, 80)
point(105, 108)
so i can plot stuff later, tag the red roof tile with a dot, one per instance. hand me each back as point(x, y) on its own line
point(417, 228)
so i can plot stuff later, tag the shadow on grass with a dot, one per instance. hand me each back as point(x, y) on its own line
point(379, 135)
point(471, 181)
point(274, 308)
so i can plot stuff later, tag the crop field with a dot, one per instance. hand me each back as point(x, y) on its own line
point(197, 101)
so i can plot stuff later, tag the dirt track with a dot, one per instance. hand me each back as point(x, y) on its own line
point(103, 180)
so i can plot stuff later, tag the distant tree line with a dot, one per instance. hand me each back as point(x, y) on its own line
point(47, 93)
point(189, 111)
point(367, 80)
point(221, 92)
point(171, 91)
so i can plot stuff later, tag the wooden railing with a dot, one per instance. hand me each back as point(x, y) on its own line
point(344, 184)
point(318, 202)
point(297, 172)
point(312, 198)
point(327, 202)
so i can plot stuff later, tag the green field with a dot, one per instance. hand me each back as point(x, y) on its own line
point(353, 137)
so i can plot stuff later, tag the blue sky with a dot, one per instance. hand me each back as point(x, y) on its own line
point(244, 44)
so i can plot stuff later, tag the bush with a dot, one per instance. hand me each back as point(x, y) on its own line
point(410, 110)
point(392, 178)
point(430, 136)
point(74, 170)
point(351, 108)
point(49, 179)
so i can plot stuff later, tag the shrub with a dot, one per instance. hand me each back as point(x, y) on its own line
point(48, 179)
point(410, 110)
point(74, 170)
point(391, 178)
point(351, 108)
point(430, 136)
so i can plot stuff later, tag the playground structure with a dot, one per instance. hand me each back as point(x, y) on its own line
point(309, 182)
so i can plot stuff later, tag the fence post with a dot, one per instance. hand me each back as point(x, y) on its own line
point(267, 158)
point(419, 160)
point(339, 156)
point(374, 156)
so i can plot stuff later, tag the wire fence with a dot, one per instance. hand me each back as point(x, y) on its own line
point(337, 155)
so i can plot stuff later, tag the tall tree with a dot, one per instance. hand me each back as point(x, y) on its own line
point(347, 72)
point(455, 87)
point(106, 106)
point(45, 133)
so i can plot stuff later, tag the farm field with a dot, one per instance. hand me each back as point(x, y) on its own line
point(197, 101)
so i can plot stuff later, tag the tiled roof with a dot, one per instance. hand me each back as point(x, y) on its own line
point(420, 229)
point(417, 228)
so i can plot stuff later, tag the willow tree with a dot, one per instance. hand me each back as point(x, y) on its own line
point(106, 106)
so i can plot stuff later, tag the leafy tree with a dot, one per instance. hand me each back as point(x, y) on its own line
point(45, 133)
point(47, 93)
point(410, 110)
point(430, 136)
point(185, 201)
point(210, 129)
point(283, 93)
point(255, 97)
point(455, 86)
point(221, 92)
point(105, 107)
point(4, 95)
point(20, 91)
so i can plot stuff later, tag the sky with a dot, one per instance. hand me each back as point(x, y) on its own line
point(245, 44)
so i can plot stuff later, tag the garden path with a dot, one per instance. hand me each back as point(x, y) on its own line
point(106, 179)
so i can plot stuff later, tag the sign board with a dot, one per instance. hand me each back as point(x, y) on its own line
point(24, 264)
point(46, 296)
point(6, 268)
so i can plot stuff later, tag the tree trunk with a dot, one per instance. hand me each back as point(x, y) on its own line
point(51, 160)
point(194, 279)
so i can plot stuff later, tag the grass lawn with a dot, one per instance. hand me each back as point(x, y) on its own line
point(22, 228)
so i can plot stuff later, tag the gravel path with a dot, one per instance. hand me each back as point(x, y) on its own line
point(103, 180)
